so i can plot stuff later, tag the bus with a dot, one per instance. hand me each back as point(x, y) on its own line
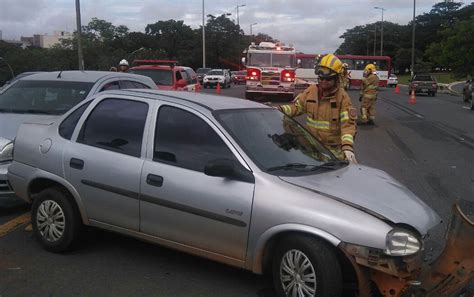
point(305, 72)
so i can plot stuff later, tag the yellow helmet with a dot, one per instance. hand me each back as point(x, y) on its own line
point(331, 62)
point(370, 68)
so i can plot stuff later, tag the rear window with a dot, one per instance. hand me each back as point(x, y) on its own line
point(203, 70)
point(215, 72)
point(423, 78)
point(159, 76)
point(43, 97)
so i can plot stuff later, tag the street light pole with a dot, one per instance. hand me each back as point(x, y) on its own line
point(78, 35)
point(381, 31)
point(241, 5)
point(203, 38)
point(375, 36)
point(251, 25)
point(413, 43)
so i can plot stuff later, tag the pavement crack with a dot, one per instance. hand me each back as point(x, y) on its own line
point(402, 146)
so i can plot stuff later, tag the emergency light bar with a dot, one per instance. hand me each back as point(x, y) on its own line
point(170, 63)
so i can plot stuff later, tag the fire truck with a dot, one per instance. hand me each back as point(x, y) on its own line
point(270, 70)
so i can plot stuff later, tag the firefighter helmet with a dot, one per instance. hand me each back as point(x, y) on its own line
point(370, 68)
point(329, 66)
point(123, 63)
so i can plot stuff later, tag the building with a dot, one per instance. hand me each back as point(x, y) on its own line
point(40, 40)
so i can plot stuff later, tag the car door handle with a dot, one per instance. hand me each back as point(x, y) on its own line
point(154, 180)
point(76, 163)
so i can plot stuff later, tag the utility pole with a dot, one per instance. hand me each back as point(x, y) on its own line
point(203, 38)
point(381, 31)
point(241, 5)
point(251, 25)
point(413, 43)
point(78, 36)
point(375, 36)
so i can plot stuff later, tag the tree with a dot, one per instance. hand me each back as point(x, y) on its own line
point(455, 50)
point(174, 37)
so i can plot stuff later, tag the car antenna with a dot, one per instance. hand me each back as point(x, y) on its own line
point(59, 75)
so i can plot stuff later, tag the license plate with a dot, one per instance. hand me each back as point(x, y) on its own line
point(424, 90)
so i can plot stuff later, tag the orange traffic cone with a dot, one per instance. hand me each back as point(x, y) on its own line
point(412, 97)
point(397, 89)
point(218, 89)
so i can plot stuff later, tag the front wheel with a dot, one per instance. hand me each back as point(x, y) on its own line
point(305, 266)
point(55, 220)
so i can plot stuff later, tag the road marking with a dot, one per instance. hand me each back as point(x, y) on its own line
point(466, 107)
point(15, 223)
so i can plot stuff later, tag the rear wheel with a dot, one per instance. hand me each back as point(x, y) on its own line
point(304, 266)
point(55, 220)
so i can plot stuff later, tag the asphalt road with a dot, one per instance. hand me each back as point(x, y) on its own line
point(428, 146)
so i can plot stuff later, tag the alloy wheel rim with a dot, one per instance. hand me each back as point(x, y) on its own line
point(50, 220)
point(297, 275)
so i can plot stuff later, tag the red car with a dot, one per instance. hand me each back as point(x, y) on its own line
point(238, 77)
point(167, 75)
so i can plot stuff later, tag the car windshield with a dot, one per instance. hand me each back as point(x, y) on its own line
point(203, 70)
point(215, 72)
point(43, 97)
point(159, 76)
point(283, 60)
point(276, 143)
point(423, 78)
point(271, 60)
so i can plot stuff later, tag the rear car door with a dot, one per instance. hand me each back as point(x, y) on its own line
point(182, 204)
point(104, 163)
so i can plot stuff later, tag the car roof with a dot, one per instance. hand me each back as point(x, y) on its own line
point(163, 67)
point(78, 76)
point(208, 101)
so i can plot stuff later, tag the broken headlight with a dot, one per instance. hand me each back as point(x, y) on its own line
point(400, 242)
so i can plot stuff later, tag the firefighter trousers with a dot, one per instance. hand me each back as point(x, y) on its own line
point(367, 109)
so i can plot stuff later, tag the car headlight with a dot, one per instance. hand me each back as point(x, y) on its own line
point(6, 152)
point(401, 243)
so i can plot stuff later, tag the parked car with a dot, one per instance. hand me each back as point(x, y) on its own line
point(167, 75)
point(423, 83)
point(239, 77)
point(217, 76)
point(231, 180)
point(201, 72)
point(392, 81)
point(23, 74)
point(47, 95)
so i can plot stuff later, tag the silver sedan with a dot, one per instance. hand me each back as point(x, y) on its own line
point(233, 181)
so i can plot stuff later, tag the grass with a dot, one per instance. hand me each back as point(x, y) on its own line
point(444, 78)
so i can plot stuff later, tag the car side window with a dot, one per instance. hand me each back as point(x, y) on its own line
point(185, 76)
point(192, 78)
point(184, 140)
point(114, 85)
point(66, 128)
point(178, 76)
point(116, 125)
point(128, 84)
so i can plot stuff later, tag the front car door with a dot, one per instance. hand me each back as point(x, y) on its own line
point(182, 204)
point(104, 163)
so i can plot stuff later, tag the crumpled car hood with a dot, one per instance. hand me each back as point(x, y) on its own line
point(9, 122)
point(373, 191)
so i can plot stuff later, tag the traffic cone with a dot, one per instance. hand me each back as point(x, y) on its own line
point(412, 97)
point(397, 89)
point(218, 89)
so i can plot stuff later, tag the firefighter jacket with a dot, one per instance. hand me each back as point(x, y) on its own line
point(370, 85)
point(331, 119)
point(345, 80)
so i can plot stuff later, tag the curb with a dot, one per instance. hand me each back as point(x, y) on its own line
point(453, 92)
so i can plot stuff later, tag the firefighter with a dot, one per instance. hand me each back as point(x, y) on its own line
point(345, 81)
point(123, 66)
point(368, 94)
point(330, 115)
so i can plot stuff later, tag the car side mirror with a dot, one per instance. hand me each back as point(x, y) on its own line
point(243, 60)
point(181, 83)
point(229, 169)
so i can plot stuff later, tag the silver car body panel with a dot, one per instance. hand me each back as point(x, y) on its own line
point(221, 219)
point(361, 186)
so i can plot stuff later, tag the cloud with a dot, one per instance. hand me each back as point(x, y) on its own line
point(312, 26)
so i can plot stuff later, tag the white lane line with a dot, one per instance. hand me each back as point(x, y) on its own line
point(466, 107)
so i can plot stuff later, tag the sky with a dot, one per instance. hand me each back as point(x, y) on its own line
point(310, 25)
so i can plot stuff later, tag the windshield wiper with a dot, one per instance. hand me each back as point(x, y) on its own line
point(290, 166)
point(335, 164)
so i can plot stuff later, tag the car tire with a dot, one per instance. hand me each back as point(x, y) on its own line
point(54, 205)
point(464, 98)
point(472, 103)
point(322, 276)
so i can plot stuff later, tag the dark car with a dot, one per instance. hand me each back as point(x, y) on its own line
point(423, 84)
point(201, 72)
point(238, 77)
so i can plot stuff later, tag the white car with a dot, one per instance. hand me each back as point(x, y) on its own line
point(217, 76)
point(392, 81)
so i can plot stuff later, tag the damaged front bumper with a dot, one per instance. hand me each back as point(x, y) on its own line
point(408, 276)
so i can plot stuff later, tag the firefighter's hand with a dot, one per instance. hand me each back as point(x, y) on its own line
point(350, 156)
